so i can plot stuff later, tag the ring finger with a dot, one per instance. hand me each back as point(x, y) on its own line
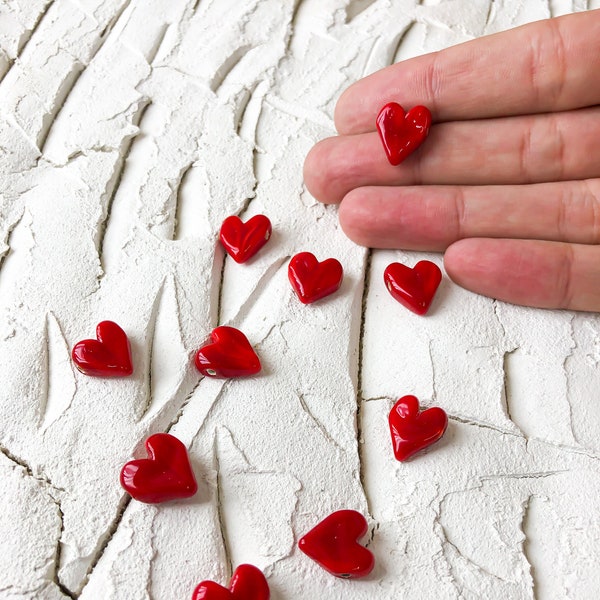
point(433, 217)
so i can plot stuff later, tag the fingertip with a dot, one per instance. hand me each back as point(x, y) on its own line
point(527, 272)
point(457, 261)
point(317, 176)
point(309, 172)
point(487, 266)
point(342, 114)
point(336, 165)
point(355, 215)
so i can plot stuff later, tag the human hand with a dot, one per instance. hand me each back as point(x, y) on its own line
point(508, 183)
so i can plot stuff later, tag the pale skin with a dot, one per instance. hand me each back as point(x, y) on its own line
point(507, 184)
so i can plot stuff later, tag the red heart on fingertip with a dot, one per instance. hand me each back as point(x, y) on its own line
point(333, 544)
point(414, 288)
point(412, 430)
point(247, 583)
point(313, 280)
point(165, 475)
point(402, 133)
point(229, 354)
point(107, 356)
point(243, 240)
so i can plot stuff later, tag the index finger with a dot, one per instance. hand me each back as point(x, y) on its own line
point(545, 66)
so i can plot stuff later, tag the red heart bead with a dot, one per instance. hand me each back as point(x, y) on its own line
point(243, 240)
point(313, 280)
point(402, 133)
point(333, 544)
point(229, 355)
point(414, 288)
point(165, 475)
point(107, 356)
point(247, 583)
point(411, 430)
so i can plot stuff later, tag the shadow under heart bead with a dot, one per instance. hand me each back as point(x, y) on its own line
point(165, 475)
point(229, 354)
point(247, 583)
point(333, 543)
point(412, 430)
point(243, 240)
point(313, 280)
point(109, 355)
point(413, 288)
point(401, 133)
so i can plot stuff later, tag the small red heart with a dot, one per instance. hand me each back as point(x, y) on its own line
point(414, 288)
point(243, 240)
point(165, 475)
point(107, 356)
point(411, 430)
point(402, 133)
point(247, 583)
point(313, 280)
point(333, 544)
point(229, 355)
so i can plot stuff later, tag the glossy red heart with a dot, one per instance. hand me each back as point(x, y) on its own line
point(243, 240)
point(414, 288)
point(402, 133)
point(165, 475)
point(413, 430)
point(247, 583)
point(313, 280)
point(107, 356)
point(228, 355)
point(333, 544)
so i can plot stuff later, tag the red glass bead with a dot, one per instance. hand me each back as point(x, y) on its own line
point(402, 133)
point(107, 356)
point(243, 240)
point(165, 475)
point(228, 355)
point(412, 430)
point(413, 288)
point(247, 583)
point(313, 280)
point(333, 544)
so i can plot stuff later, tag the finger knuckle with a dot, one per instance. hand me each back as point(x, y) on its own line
point(547, 64)
point(564, 277)
point(591, 208)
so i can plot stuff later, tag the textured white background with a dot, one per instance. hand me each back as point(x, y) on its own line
point(129, 129)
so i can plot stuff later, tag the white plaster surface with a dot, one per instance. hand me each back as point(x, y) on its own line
point(129, 129)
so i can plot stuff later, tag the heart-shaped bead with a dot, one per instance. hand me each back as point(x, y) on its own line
point(165, 475)
point(107, 356)
point(412, 430)
point(413, 288)
point(229, 354)
point(243, 240)
point(333, 543)
point(402, 133)
point(247, 583)
point(313, 280)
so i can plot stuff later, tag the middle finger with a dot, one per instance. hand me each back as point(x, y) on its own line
point(515, 150)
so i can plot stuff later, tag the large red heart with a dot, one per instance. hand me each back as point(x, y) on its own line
point(247, 583)
point(414, 288)
point(413, 430)
point(107, 356)
point(165, 475)
point(313, 280)
point(333, 544)
point(402, 133)
point(243, 240)
point(229, 355)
